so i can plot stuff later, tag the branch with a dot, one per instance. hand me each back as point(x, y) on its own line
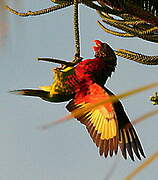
point(39, 12)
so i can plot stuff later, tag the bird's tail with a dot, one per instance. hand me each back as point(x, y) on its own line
point(30, 92)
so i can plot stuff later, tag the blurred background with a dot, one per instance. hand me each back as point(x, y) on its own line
point(64, 151)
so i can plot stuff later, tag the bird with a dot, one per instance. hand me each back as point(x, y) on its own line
point(108, 124)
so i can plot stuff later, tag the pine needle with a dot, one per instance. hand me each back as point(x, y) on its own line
point(145, 116)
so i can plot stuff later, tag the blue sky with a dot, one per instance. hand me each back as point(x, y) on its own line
point(65, 151)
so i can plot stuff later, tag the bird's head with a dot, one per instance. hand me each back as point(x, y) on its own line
point(103, 50)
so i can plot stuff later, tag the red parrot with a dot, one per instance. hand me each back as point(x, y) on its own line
point(107, 124)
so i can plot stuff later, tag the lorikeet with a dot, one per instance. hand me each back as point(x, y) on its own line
point(108, 124)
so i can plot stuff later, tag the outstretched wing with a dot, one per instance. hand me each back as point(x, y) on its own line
point(128, 138)
point(101, 122)
point(108, 124)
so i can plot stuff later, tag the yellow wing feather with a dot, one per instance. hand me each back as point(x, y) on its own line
point(104, 123)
